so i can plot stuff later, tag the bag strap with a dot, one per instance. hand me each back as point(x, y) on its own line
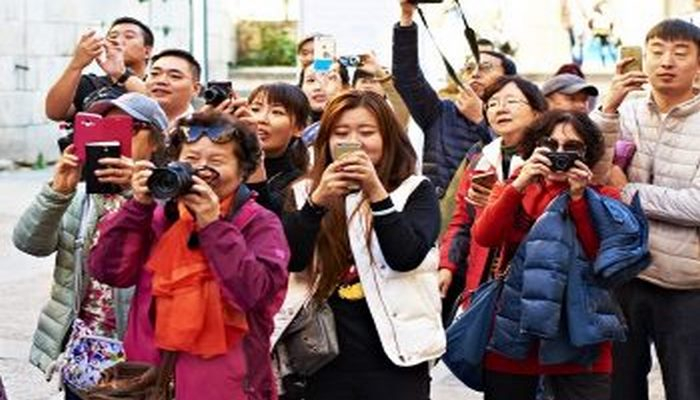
point(468, 33)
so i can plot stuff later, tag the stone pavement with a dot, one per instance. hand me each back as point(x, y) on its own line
point(25, 283)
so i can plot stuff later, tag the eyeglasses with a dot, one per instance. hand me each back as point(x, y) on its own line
point(570, 145)
point(484, 67)
point(509, 102)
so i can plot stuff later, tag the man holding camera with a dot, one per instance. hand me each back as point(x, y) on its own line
point(123, 56)
point(662, 305)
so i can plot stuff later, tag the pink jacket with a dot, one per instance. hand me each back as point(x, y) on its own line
point(249, 259)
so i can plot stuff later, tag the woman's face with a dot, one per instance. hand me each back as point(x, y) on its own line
point(359, 125)
point(218, 156)
point(320, 88)
point(276, 126)
point(509, 113)
point(565, 135)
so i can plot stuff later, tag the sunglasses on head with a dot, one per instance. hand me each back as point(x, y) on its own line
point(216, 133)
point(569, 145)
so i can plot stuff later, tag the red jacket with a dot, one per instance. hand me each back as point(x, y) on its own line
point(505, 222)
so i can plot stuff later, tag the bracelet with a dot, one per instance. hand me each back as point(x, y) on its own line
point(385, 78)
point(318, 210)
point(128, 73)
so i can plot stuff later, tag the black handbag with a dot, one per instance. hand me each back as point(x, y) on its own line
point(310, 341)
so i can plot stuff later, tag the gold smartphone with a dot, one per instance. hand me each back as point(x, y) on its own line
point(634, 52)
point(342, 148)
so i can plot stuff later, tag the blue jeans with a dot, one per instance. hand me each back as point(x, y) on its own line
point(671, 320)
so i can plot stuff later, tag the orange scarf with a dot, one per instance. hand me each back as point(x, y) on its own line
point(190, 313)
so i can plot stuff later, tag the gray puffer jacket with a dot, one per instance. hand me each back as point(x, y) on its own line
point(51, 223)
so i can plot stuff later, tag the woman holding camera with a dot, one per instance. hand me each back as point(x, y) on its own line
point(215, 269)
point(510, 105)
point(560, 149)
point(365, 232)
point(281, 111)
point(63, 219)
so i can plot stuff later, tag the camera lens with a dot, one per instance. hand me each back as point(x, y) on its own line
point(171, 182)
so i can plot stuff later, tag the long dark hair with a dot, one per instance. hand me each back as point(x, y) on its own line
point(397, 163)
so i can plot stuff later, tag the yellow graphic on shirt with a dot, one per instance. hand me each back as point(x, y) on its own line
point(352, 291)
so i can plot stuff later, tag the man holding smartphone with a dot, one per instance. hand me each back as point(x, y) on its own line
point(662, 305)
point(123, 56)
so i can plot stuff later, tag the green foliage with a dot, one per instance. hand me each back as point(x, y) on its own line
point(277, 48)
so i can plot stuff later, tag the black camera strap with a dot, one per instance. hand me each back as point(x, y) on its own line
point(468, 33)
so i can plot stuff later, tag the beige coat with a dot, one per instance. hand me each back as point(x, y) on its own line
point(665, 171)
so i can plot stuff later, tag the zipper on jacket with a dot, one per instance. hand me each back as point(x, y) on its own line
point(386, 312)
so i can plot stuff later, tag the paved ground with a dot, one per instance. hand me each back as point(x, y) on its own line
point(25, 284)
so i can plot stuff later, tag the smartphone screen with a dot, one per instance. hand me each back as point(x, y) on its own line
point(95, 151)
point(487, 179)
point(634, 52)
point(324, 53)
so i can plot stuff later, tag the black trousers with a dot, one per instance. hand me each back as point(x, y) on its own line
point(502, 386)
point(671, 320)
point(405, 383)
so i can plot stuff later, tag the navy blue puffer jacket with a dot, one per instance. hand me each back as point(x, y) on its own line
point(555, 295)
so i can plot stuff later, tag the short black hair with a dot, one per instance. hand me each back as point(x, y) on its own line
point(183, 54)
point(675, 29)
point(342, 71)
point(484, 42)
point(509, 67)
point(532, 93)
point(148, 39)
point(585, 128)
point(359, 74)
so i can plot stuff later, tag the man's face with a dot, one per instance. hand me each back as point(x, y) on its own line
point(171, 83)
point(130, 38)
point(671, 65)
point(568, 102)
point(306, 54)
point(490, 68)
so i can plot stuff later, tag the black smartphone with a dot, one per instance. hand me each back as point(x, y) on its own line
point(94, 151)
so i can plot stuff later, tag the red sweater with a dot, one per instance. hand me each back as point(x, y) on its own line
point(504, 223)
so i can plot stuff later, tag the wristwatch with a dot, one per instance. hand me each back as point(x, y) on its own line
point(128, 73)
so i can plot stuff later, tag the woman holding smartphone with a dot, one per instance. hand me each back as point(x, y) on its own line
point(364, 233)
point(510, 105)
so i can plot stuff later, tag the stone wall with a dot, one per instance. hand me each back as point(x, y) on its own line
point(37, 41)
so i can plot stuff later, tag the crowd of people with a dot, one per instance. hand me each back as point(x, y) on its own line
point(295, 244)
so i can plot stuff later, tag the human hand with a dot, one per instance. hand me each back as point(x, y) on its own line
point(537, 166)
point(111, 60)
point(444, 281)
point(470, 105)
point(67, 173)
point(617, 177)
point(579, 177)
point(478, 195)
point(116, 170)
point(622, 84)
point(358, 167)
point(143, 169)
point(88, 48)
point(333, 185)
point(407, 10)
point(202, 202)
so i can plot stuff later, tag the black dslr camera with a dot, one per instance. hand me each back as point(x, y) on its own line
point(216, 92)
point(562, 160)
point(172, 181)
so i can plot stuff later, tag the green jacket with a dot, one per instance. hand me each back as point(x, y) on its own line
point(51, 223)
